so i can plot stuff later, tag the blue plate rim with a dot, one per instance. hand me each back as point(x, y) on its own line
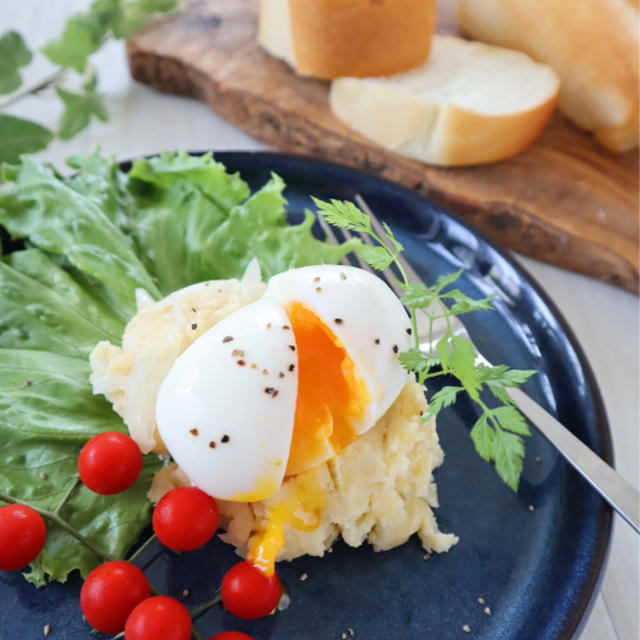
point(581, 610)
point(583, 607)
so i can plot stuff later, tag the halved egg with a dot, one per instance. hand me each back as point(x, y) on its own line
point(285, 383)
point(225, 409)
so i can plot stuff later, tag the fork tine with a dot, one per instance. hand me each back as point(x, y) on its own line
point(328, 232)
point(375, 223)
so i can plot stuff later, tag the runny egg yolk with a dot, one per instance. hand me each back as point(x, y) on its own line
point(331, 395)
point(301, 507)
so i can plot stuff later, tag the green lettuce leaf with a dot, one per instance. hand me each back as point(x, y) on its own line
point(49, 413)
point(44, 308)
point(35, 204)
point(193, 223)
point(92, 239)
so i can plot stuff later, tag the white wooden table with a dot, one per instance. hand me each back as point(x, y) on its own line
point(605, 319)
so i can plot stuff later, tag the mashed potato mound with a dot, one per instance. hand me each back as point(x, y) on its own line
point(130, 376)
point(379, 488)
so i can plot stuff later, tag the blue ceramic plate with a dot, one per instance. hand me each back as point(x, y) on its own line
point(537, 570)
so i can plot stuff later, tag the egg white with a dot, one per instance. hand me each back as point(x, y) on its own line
point(366, 317)
point(225, 410)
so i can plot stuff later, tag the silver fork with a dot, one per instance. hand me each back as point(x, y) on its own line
point(611, 486)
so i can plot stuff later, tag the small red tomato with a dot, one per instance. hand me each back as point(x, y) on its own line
point(249, 594)
point(110, 593)
point(158, 618)
point(231, 635)
point(185, 519)
point(22, 536)
point(109, 463)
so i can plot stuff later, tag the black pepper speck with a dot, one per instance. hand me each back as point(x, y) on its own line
point(212, 445)
point(194, 326)
point(338, 320)
point(227, 339)
point(377, 340)
point(395, 348)
point(292, 367)
point(193, 432)
point(292, 347)
point(225, 439)
point(241, 363)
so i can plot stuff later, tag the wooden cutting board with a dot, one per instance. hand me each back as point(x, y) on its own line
point(565, 200)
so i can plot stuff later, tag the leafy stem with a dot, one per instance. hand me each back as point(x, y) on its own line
point(204, 607)
point(141, 549)
point(48, 81)
point(497, 433)
point(54, 517)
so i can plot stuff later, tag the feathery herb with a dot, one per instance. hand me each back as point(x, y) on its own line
point(498, 432)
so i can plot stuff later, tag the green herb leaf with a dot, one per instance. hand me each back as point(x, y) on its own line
point(508, 452)
point(483, 437)
point(344, 215)
point(79, 109)
point(21, 136)
point(418, 361)
point(377, 257)
point(14, 55)
point(443, 398)
point(465, 304)
point(418, 296)
point(456, 356)
point(510, 419)
point(82, 36)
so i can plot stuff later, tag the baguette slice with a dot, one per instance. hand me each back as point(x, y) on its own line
point(333, 38)
point(470, 103)
point(591, 44)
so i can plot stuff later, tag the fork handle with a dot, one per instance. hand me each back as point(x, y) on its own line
point(613, 488)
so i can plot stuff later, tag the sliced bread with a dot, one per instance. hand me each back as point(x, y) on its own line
point(591, 44)
point(333, 38)
point(470, 103)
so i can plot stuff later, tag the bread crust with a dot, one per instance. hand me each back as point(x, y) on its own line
point(444, 135)
point(359, 38)
point(591, 44)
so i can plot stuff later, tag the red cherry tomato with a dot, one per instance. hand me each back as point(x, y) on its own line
point(22, 536)
point(185, 519)
point(248, 594)
point(109, 463)
point(158, 618)
point(110, 593)
point(231, 635)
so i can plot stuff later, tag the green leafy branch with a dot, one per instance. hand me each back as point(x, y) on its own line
point(497, 433)
point(83, 35)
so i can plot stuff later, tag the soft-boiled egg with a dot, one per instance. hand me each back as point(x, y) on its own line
point(285, 383)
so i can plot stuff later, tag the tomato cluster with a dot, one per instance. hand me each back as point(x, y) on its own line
point(116, 596)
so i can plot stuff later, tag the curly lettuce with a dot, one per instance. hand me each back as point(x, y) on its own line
point(89, 241)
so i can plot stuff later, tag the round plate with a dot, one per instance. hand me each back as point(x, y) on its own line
point(535, 557)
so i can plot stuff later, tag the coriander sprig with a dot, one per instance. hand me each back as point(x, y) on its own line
point(498, 433)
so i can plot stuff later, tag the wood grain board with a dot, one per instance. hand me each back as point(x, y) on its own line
point(565, 200)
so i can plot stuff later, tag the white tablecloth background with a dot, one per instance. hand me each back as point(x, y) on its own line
point(605, 319)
